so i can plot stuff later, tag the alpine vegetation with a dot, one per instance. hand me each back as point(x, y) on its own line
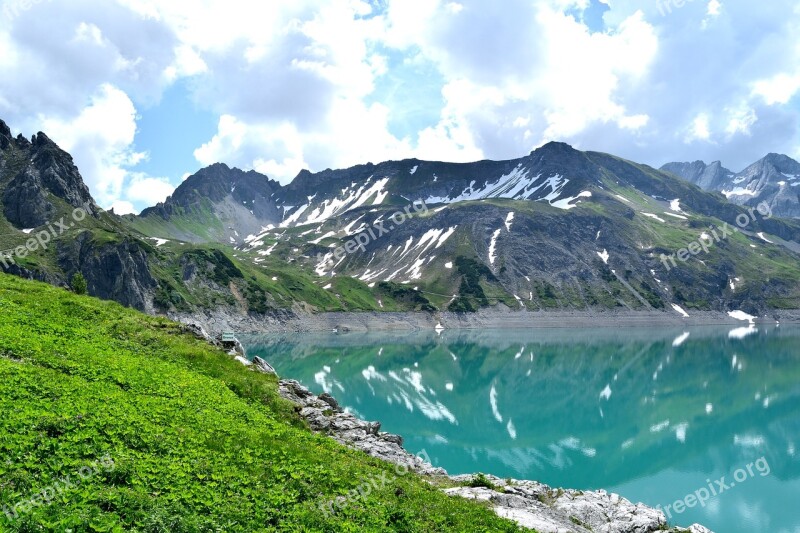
point(705, 242)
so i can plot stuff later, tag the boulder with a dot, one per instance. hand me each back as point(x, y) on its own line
point(262, 366)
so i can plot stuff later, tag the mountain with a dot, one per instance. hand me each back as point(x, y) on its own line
point(558, 229)
point(215, 204)
point(38, 180)
point(774, 179)
point(707, 177)
point(51, 229)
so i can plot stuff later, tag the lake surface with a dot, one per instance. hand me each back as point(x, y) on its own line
point(652, 414)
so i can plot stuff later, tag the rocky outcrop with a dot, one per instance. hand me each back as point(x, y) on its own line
point(5, 136)
point(325, 417)
point(537, 506)
point(41, 173)
point(114, 271)
point(530, 504)
point(263, 367)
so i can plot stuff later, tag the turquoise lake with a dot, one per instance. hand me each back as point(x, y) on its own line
point(652, 414)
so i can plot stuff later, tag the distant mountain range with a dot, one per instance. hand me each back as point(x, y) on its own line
point(774, 180)
point(558, 229)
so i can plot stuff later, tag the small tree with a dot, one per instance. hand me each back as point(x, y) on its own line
point(78, 283)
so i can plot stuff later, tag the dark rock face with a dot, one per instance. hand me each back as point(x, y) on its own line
point(116, 272)
point(40, 172)
point(25, 201)
point(5, 136)
point(330, 400)
point(35, 275)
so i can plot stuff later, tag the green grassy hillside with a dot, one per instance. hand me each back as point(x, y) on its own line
point(127, 424)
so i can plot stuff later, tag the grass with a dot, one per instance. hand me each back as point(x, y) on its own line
point(199, 443)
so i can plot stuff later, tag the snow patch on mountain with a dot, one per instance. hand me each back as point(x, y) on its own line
point(567, 204)
point(509, 221)
point(654, 217)
point(493, 247)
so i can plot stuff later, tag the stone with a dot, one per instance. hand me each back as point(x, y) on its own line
point(330, 400)
point(262, 366)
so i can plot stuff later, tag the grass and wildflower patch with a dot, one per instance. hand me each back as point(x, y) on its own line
point(198, 442)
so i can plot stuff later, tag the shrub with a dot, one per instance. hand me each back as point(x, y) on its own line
point(78, 283)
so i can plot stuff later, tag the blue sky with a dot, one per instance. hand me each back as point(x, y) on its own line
point(171, 130)
point(145, 92)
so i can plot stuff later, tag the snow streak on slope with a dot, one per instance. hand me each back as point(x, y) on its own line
point(347, 201)
point(412, 256)
point(517, 184)
point(493, 247)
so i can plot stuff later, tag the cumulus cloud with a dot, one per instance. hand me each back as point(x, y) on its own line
point(149, 190)
point(100, 138)
point(294, 84)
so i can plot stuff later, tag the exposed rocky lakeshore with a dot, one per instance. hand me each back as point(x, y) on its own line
point(498, 317)
point(528, 503)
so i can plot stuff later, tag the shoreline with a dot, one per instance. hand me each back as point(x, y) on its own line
point(530, 504)
point(287, 321)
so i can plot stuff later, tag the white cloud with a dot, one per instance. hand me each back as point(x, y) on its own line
point(714, 8)
point(147, 190)
point(100, 138)
point(741, 121)
point(778, 89)
point(700, 129)
point(294, 83)
point(121, 207)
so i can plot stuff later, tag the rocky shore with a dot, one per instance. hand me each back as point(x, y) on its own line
point(499, 317)
point(530, 504)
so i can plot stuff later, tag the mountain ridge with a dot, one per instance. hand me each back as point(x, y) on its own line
point(773, 179)
point(556, 230)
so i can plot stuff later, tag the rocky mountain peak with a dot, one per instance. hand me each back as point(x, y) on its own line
point(708, 177)
point(555, 147)
point(229, 203)
point(782, 163)
point(774, 179)
point(40, 139)
point(22, 142)
point(34, 180)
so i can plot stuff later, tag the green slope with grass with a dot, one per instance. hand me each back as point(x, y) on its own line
point(198, 442)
